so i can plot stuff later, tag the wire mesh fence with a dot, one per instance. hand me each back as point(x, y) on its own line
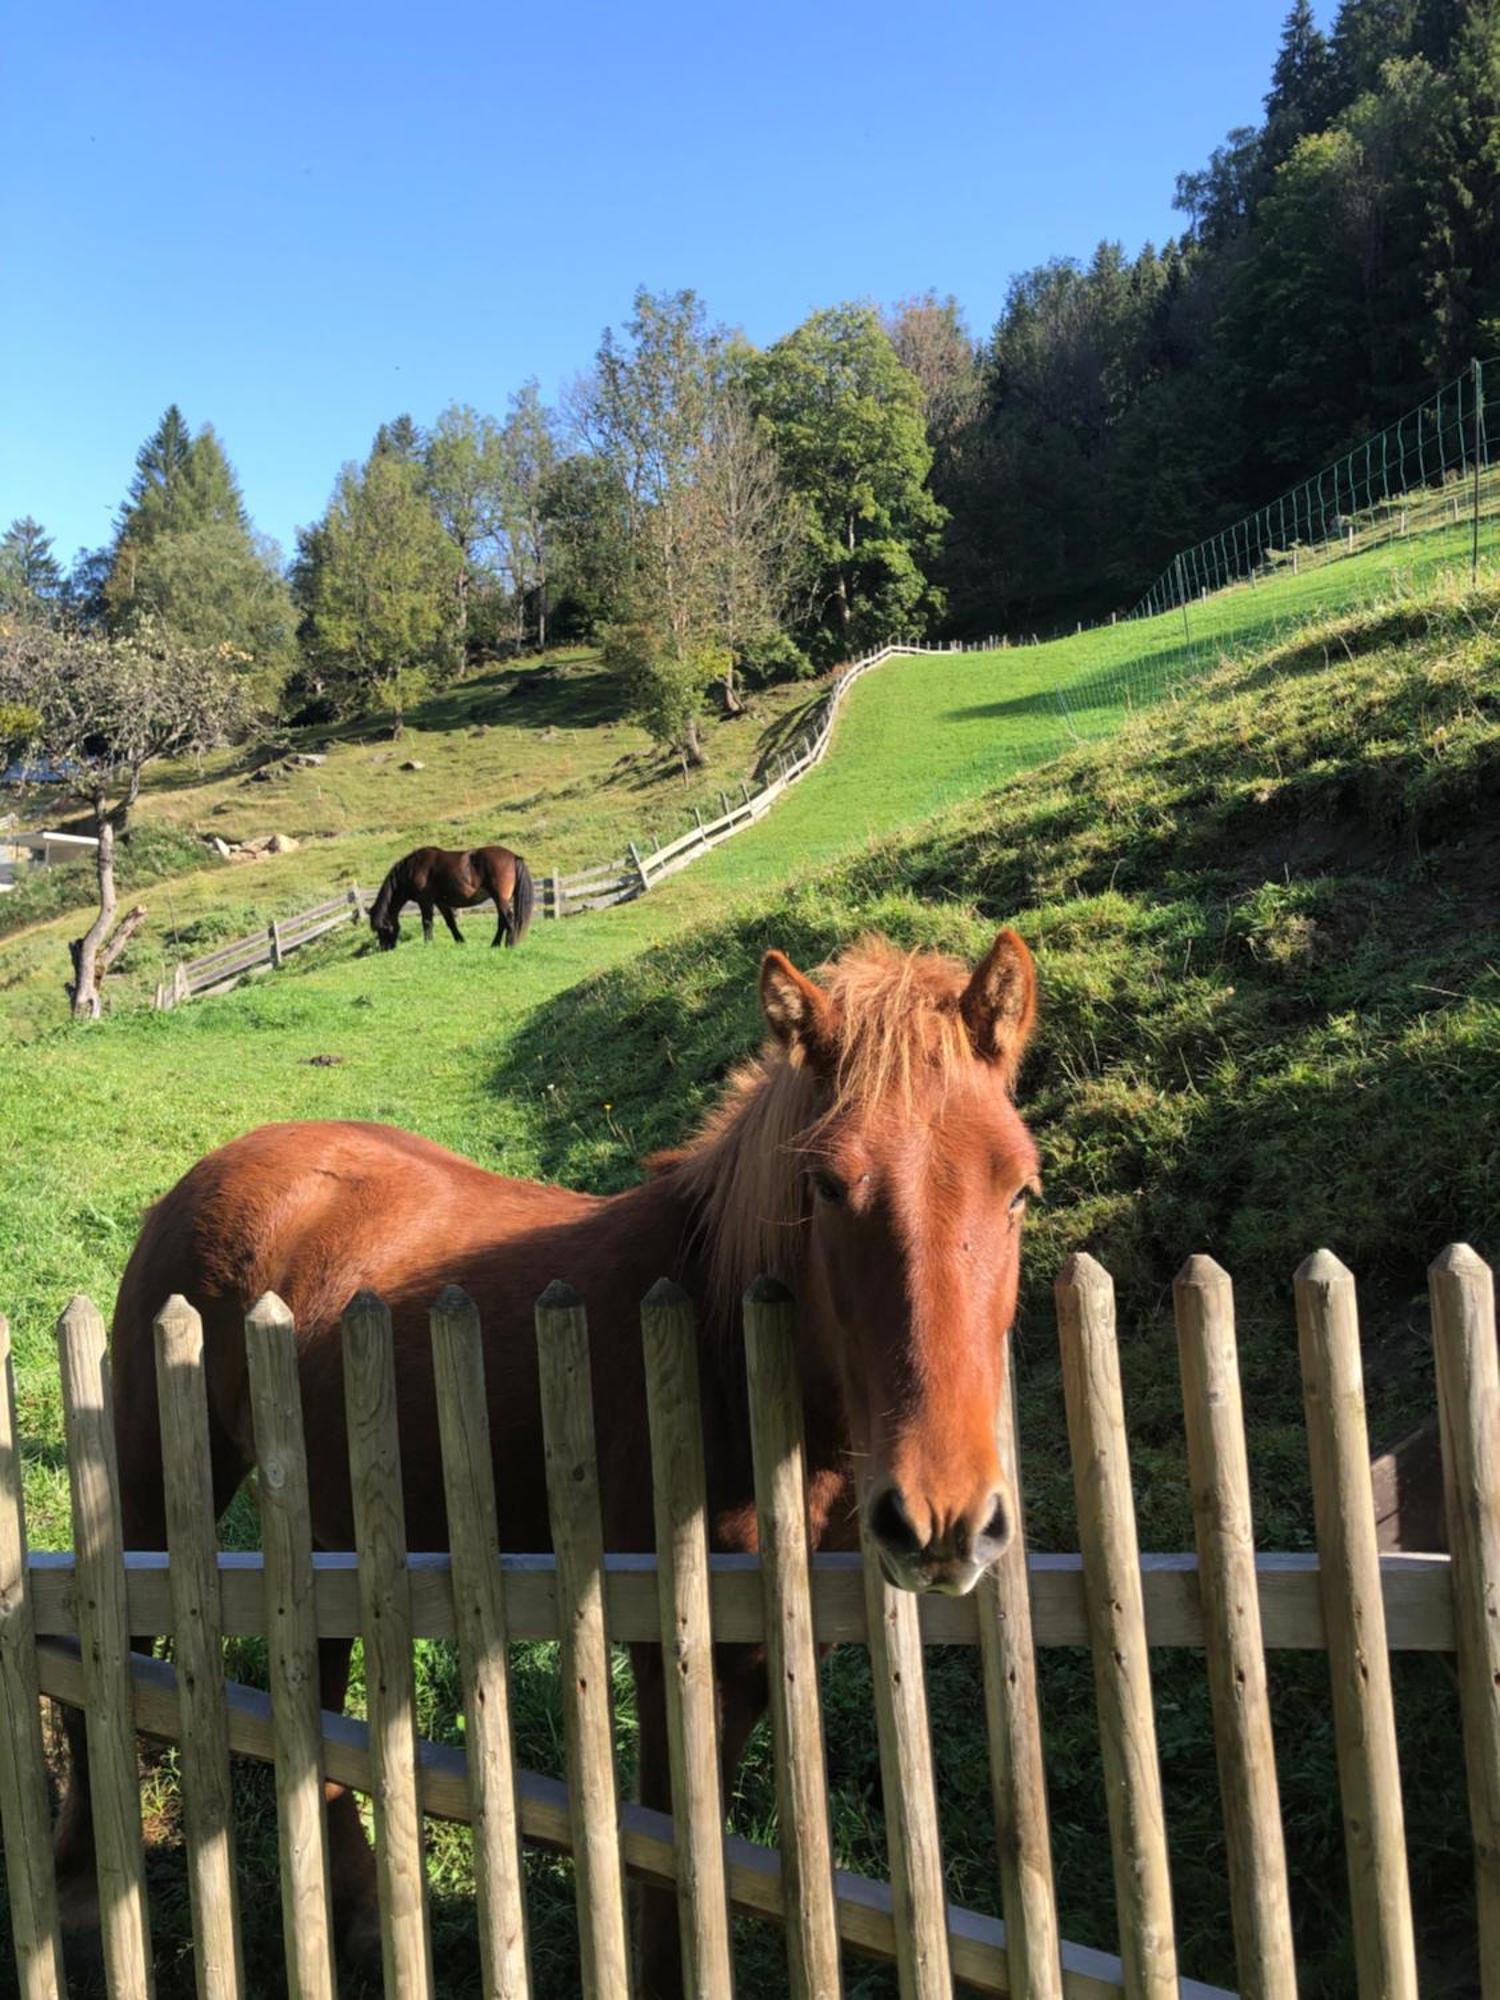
point(1414, 502)
point(1427, 472)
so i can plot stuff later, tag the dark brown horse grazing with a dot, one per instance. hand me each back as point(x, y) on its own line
point(872, 1157)
point(440, 878)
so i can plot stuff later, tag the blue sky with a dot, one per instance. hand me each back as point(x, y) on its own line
point(296, 220)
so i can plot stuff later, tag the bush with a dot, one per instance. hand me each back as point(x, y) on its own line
point(773, 658)
point(666, 682)
point(18, 727)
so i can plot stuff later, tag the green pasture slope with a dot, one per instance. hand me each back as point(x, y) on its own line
point(1264, 913)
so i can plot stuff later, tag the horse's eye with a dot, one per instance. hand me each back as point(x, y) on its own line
point(1022, 1195)
point(826, 1186)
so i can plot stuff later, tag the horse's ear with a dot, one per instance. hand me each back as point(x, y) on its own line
point(796, 1011)
point(999, 1003)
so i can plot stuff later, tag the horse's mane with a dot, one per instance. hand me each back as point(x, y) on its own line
point(392, 891)
point(896, 1019)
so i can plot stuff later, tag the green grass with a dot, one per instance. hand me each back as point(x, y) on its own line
point(541, 757)
point(1264, 916)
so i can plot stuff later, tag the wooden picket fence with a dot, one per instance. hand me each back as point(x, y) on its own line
point(1226, 1600)
point(594, 888)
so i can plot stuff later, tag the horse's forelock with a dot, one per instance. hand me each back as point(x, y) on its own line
point(896, 1022)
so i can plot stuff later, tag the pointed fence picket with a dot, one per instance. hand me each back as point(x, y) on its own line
point(1229, 1601)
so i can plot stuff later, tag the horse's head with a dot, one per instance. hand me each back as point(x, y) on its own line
point(386, 926)
point(915, 1167)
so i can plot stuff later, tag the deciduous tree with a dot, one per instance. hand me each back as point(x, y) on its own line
point(528, 460)
point(104, 706)
point(464, 476)
point(845, 419)
point(376, 580)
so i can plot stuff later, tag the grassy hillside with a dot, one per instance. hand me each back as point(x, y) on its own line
point(1264, 915)
point(543, 757)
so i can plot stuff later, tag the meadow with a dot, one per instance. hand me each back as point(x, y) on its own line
point(1263, 903)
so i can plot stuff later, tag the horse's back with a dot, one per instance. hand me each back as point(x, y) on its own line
point(315, 1212)
point(300, 1208)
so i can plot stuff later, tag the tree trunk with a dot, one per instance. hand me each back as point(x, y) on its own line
point(541, 617)
point(84, 991)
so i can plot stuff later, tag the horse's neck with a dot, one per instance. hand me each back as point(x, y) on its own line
point(721, 1320)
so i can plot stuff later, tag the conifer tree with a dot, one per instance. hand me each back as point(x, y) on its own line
point(30, 573)
point(187, 562)
point(1300, 97)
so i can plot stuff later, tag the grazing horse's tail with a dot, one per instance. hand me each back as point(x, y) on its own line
point(522, 902)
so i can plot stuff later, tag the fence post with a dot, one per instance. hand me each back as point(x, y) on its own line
point(670, 1347)
point(1117, 1627)
point(776, 1448)
point(479, 1622)
point(1219, 1474)
point(1478, 455)
point(385, 1621)
point(273, 932)
point(1364, 1721)
point(25, 1808)
point(291, 1648)
point(911, 1813)
point(104, 1640)
point(1468, 1382)
point(356, 905)
point(562, 1344)
point(1018, 1779)
point(640, 867)
point(557, 894)
point(198, 1651)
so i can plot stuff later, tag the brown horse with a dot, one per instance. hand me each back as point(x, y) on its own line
point(872, 1157)
point(448, 880)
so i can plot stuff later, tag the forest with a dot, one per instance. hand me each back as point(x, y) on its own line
point(716, 516)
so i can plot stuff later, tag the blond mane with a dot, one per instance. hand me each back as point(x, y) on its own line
point(896, 1022)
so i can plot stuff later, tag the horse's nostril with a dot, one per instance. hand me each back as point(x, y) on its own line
point(997, 1528)
point(890, 1524)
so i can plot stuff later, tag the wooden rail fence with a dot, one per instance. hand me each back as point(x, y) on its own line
point(594, 888)
point(65, 1622)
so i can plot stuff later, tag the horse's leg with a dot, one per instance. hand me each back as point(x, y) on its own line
point(425, 906)
point(452, 922)
point(657, 1938)
point(506, 921)
point(351, 1864)
point(740, 1682)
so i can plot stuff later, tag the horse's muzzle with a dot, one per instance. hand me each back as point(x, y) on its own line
point(950, 1563)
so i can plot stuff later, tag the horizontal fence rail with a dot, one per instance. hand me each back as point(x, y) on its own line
point(64, 1621)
